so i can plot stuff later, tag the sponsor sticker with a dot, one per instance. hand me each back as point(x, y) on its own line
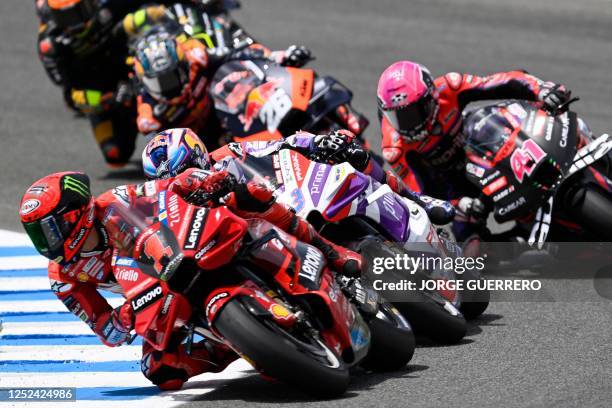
point(167, 304)
point(495, 185)
point(125, 274)
point(215, 299)
point(147, 298)
point(312, 263)
point(121, 193)
point(195, 231)
point(149, 188)
point(475, 170)
point(512, 206)
point(205, 249)
point(279, 311)
point(503, 193)
point(29, 205)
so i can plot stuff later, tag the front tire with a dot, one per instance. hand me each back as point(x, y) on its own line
point(313, 368)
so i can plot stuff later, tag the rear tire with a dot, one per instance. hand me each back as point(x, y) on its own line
point(429, 314)
point(277, 354)
point(473, 302)
point(392, 342)
point(434, 317)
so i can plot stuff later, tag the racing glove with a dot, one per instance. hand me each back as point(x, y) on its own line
point(125, 314)
point(207, 189)
point(472, 208)
point(553, 96)
point(116, 330)
point(146, 121)
point(339, 147)
point(295, 56)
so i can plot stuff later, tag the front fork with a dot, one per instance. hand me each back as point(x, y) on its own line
point(364, 297)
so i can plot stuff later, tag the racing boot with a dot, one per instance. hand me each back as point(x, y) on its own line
point(341, 259)
point(169, 370)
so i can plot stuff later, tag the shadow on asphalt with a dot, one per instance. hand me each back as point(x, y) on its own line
point(473, 328)
point(254, 388)
point(426, 342)
point(487, 319)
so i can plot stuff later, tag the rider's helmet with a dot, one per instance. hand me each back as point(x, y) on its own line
point(161, 66)
point(73, 16)
point(407, 98)
point(57, 213)
point(173, 151)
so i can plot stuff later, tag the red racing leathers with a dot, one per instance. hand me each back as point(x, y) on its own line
point(77, 285)
point(435, 164)
point(432, 164)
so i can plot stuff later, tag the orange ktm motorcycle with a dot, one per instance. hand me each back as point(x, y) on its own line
point(260, 100)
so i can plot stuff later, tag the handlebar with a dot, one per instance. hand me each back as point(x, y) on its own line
point(565, 106)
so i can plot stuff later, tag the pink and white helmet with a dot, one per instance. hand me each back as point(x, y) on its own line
point(406, 97)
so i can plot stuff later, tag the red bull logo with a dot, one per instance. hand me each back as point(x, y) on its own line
point(257, 99)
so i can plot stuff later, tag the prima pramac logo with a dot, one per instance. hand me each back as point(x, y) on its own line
point(73, 184)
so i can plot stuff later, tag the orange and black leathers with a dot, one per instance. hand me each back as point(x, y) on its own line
point(89, 67)
point(434, 165)
point(192, 111)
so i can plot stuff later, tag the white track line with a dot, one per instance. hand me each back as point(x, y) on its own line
point(62, 353)
point(25, 328)
point(24, 283)
point(194, 387)
point(121, 379)
point(14, 239)
point(43, 305)
point(23, 262)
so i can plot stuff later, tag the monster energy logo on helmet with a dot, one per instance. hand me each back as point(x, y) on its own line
point(71, 183)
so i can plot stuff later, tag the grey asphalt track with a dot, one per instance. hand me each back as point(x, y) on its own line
point(519, 354)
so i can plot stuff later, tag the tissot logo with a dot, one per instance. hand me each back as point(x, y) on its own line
point(145, 299)
point(197, 225)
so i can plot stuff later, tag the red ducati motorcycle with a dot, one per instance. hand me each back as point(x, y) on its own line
point(192, 270)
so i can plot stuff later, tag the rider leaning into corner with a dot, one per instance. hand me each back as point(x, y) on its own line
point(71, 228)
point(172, 71)
point(421, 123)
point(171, 152)
point(82, 44)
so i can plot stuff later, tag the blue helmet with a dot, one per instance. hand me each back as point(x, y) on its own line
point(173, 151)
